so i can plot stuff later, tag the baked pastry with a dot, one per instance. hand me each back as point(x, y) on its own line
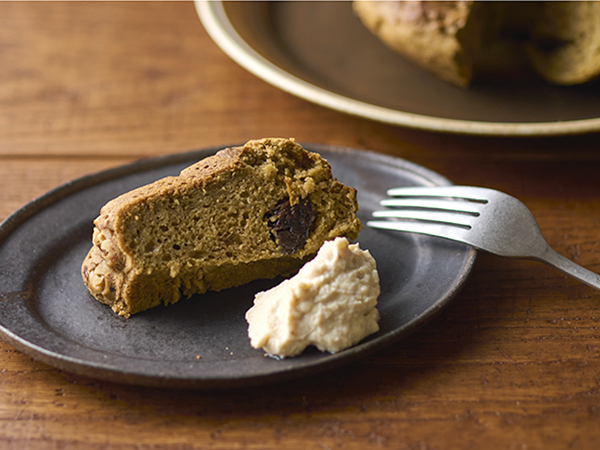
point(440, 36)
point(564, 42)
point(463, 41)
point(245, 213)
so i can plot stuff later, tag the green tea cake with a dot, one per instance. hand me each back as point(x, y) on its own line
point(250, 212)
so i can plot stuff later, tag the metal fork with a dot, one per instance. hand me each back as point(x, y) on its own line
point(487, 219)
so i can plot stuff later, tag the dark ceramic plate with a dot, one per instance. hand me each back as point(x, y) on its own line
point(321, 52)
point(201, 342)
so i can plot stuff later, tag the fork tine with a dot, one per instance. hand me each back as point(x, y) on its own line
point(427, 228)
point(433, 211)
point(464, 192)
point(432, 203)
point(448, 218)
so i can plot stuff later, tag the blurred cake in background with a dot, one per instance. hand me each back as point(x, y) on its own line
point(468, 41)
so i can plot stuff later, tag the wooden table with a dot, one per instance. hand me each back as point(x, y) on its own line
point(512, 363)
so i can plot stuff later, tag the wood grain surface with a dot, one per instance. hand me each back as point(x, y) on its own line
point(512, 363)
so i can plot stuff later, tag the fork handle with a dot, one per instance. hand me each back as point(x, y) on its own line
point(567, 266)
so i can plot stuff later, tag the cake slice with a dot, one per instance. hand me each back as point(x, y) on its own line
point(245, 213)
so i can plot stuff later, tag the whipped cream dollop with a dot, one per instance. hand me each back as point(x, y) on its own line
point(330, 303)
